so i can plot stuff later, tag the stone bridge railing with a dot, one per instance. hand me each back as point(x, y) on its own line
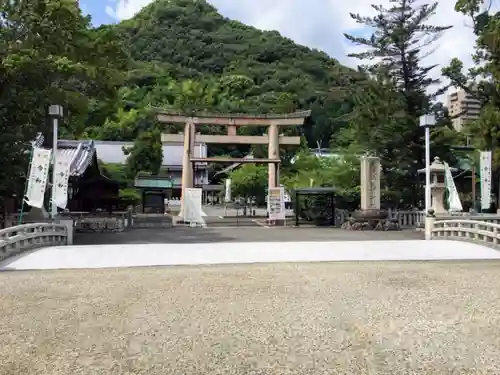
point(409, 219)
point(405, 219)
point(486, 232)
point(89, 222)
point(17, 239)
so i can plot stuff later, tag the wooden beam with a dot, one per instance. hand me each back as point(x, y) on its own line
point(233, 160)
point(231, 139)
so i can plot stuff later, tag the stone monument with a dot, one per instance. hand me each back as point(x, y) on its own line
point(370, 184)
point(370, 216)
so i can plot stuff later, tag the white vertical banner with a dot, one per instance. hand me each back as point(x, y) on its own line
point(227, 195)
point(454, 203)
point(485, 172)
point(62, 167)
point(38, 175)
point(193, 211)
point(276, 203)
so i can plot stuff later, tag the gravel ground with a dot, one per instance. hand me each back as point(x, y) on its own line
point(330, 318)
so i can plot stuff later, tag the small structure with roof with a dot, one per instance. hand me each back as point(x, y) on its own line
point(155, 189)
point(88, 189)
point(315, 205)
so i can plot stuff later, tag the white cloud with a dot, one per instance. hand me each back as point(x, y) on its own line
point(321, 23)
point(125, 9)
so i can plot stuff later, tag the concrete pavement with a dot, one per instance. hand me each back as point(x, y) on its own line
point(240, 234)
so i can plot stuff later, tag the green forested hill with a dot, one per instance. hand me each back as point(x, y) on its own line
point(192, 36)
point(186, 56)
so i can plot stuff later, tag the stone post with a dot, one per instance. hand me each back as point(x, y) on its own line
point(273, 153)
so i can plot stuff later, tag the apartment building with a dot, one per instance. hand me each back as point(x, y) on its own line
point(463, 108)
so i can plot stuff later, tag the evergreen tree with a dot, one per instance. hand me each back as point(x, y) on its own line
point(385, 119)
point(146, 155)
point(482, 81)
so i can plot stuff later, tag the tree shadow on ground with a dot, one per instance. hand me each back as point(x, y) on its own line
point(239, 234)
point(154, 235)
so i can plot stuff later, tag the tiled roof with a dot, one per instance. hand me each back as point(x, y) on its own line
point(80, 153)
point(38, 142)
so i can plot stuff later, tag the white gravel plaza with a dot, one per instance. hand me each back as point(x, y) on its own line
point(137, 255)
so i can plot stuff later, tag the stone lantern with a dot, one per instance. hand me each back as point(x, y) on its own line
point(438, 185)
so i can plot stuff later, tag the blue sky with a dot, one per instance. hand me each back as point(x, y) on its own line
point(314, 23)
point(96, 8)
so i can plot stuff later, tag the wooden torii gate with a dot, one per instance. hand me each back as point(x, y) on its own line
point(232, 121)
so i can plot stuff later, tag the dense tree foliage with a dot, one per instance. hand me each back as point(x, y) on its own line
point(48, 55)
point(250, 181)
point(338, 171)
point(146, 154)
point(307, 170)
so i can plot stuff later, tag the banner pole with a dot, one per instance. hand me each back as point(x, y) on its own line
point(20, 220)
point(480, 186)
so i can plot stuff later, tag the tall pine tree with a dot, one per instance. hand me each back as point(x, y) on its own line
point(385, 121)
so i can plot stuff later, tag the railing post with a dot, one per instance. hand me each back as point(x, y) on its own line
point(469, 234)
point(68, 223)
point(429, 224)
point(21, 234)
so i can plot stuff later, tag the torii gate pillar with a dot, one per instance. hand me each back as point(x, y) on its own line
point(274, 153)
point(187, 166)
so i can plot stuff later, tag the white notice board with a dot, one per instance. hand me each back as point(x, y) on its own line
point(276, 203)
point(192, 205)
